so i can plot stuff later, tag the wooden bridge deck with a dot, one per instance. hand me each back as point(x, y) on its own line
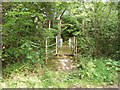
point(62, 60)
point(65, 50)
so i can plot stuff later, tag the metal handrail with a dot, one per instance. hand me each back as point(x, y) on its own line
point(51, 37)
point(35, 43)
point(53, 50)
point(51, 45)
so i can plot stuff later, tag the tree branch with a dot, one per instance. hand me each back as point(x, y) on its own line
point(60, 16)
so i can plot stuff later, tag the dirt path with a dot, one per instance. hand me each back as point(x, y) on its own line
point(62, 62)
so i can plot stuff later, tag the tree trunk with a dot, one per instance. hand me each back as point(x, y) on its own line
point(83, 26)
point(60, 23)
point(59, 28)
point(97, 41)
point(96, 33)
point(0, 38)
point(49, 24)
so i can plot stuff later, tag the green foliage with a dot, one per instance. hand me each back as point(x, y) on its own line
point(90, 73)
point(70, 25)
point(96, 26)
point(26, 26)
point(98, 70)
point(21, 37)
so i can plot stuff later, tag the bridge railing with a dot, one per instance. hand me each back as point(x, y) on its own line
point(73, 45)
point(57, 45)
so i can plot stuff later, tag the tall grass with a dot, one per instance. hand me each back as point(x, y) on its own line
point(89, 73)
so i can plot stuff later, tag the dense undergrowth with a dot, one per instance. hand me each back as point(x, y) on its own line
point(26, 26)
point(89, 73)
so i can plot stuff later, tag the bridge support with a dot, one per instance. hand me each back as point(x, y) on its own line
point(75, 49)
point(46, 51)
point(56, 45)
point(47, 45)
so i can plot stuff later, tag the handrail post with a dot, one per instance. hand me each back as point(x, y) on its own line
point(46, 52)
point(76, 49)
point(56, 45)
point(74, 46)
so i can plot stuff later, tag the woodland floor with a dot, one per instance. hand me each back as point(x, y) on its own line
point(58, 73)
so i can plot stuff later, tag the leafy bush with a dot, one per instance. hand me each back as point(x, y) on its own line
point(98, 70)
